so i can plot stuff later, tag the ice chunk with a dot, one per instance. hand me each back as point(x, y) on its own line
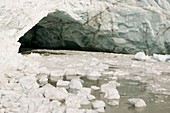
point(53, 93)
point(95, 88)
point(56, 75)
point(110, 90)
point(162, 58)
point(42, 79)
point(156, 57)
point(113, 102)
point(61, 83)
point(108, 73)
point(84, 100)
point(91, 97)
point(141, 56)
point(94, 75)
point(75, 83)
point(98, 105)
point(137, 102)
point(73, 101)
point(84, 96)
point(28, 83)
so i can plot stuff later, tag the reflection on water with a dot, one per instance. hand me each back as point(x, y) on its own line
point(132, 89)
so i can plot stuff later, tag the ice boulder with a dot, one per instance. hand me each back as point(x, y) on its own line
point(75, 83)
point(110, 90)
point(42, 79)
point(61, 83)
point(137, 102)
point(98, 105)
point(84, 95)
point(141, 56)
point(53, 93)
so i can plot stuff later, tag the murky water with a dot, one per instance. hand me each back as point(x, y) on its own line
point(132, 89)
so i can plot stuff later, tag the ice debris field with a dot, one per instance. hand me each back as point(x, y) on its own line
point(57, 81)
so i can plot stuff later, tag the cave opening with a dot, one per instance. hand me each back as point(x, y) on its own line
point(59, 31)
point(41, 38)
point(50, 33)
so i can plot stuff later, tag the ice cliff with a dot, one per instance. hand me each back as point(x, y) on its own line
point(125, 26)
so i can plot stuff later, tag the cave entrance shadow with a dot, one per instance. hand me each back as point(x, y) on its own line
point(59, 31)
